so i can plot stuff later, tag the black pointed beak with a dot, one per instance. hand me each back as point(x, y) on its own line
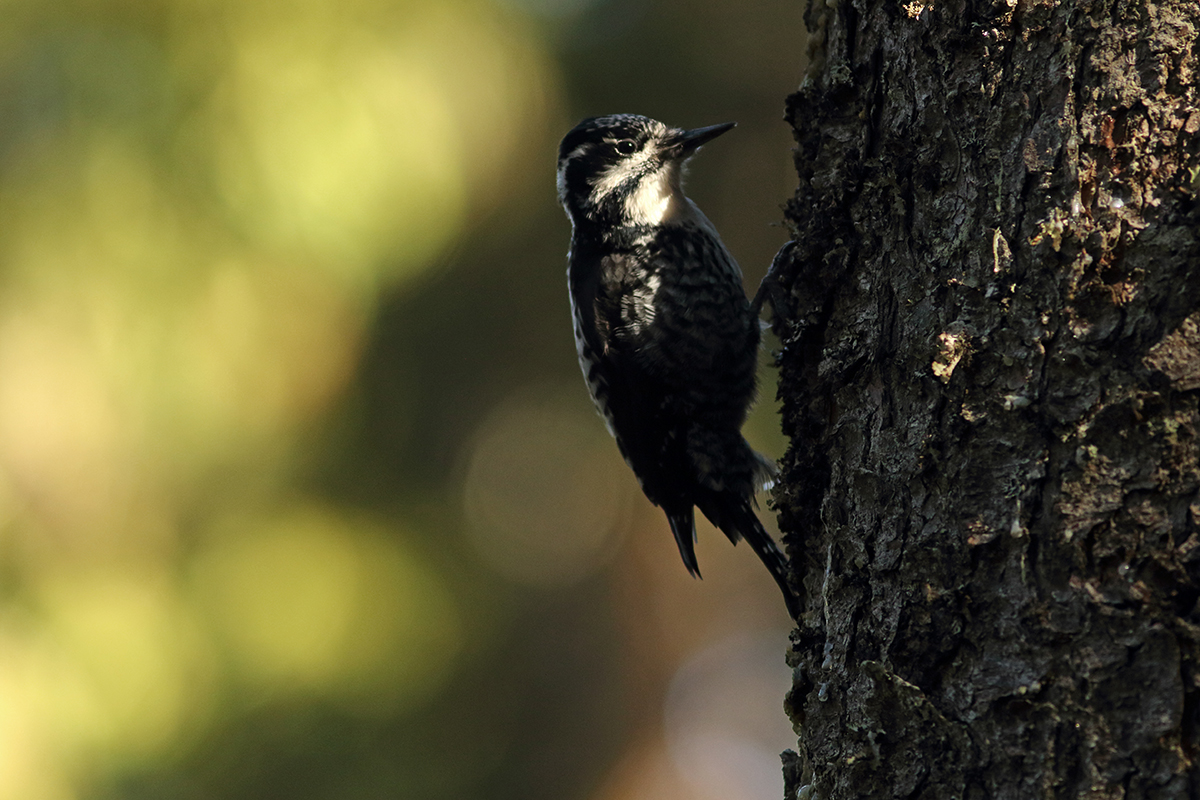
point(689, 142)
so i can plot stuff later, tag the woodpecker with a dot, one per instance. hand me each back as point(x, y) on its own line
point(666, 337)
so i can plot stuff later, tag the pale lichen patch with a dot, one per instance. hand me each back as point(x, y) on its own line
point(952, 346)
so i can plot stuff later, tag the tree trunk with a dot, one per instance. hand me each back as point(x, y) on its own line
point(990, 372)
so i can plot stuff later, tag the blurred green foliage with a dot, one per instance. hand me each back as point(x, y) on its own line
point(300, 494)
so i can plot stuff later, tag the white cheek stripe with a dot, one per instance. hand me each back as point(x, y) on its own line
point(618, 174)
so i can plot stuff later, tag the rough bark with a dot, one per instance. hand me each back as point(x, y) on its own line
point(990, 372)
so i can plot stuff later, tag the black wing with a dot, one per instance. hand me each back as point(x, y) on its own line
point(612, 315)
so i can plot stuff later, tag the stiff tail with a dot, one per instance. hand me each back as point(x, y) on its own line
point(683, 525)
point(736, 519)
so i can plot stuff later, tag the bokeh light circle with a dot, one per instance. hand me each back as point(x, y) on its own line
point(544, 493)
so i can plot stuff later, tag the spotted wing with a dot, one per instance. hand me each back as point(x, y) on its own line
point(609, 316)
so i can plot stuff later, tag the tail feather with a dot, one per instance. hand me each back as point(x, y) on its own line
point(683, 526)
point(736, 519)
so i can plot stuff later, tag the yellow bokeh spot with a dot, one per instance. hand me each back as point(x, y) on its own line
point(312, 602)
point(259, 348)
point(60, 428)
point(345, 151)
point(127, 364)
point(361, 144)
point(103, 662)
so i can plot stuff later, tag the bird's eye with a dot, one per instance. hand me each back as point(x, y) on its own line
point(626, 147)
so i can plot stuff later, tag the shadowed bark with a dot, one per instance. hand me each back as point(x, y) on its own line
point(990, 371)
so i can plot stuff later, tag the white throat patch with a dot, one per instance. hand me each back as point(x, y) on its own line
point(657, 199)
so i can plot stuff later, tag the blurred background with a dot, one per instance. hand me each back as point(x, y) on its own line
point(301, 493)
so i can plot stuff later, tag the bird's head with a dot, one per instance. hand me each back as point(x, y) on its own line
point(625, 171)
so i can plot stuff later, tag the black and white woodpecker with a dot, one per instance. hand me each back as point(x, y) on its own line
point(667, 339)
